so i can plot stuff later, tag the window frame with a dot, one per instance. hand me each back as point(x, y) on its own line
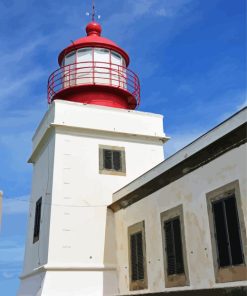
point(143, 283)
point(182, 279)
point(37, 235)
point(105, 171)
point(229, 273)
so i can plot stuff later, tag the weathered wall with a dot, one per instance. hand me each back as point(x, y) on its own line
point(190, 191)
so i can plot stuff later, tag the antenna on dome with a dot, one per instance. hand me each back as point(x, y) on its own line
point(93, 13)
point(93, 10)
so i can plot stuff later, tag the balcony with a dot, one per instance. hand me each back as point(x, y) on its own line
point(89, 74)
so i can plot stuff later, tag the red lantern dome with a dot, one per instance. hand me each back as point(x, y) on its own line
point(94, 70)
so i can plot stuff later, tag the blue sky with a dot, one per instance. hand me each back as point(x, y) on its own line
point(189, 55)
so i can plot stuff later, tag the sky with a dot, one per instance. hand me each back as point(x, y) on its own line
point(189, 55)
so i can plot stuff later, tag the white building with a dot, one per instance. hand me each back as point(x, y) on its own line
point(156, 232)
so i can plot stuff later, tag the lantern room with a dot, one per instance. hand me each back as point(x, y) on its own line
point(94, 70)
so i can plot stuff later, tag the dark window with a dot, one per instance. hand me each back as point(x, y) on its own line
point(174, 251)
point(137, 260)
point(112, 160)
point(227, 232)
point(37, 220)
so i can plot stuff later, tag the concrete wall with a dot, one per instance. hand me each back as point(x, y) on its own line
point(190, 192)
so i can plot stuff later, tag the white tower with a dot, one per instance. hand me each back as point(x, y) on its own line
point(89, 144)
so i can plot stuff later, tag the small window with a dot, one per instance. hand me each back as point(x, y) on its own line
point(175, 263)
point(37, 220)
point(227, 233)
point(137, 261)
point(112, 160)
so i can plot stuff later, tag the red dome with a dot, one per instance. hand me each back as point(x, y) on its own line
point(93, 39)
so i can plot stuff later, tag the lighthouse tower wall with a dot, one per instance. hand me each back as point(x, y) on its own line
point(35, 254)
point(75, 253)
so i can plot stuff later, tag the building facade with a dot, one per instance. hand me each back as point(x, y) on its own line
point(190, 213)
point(171, 225)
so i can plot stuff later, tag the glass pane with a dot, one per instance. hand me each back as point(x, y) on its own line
point(70, 58)
point(69, 70)
point(116, 58)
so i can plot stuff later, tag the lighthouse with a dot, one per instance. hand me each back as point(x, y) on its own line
point(91, 142)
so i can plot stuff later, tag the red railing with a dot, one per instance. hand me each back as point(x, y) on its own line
point(93, 73)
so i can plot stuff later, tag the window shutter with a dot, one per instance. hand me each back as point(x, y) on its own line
point(174, 250)
point(170, 248)
point(134, 263)
point(137, 262)
point(178, 246)
point(107, 154)
point(140, 256)
point(117, 160)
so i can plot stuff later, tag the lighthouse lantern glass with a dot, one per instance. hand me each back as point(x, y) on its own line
point(94, 65)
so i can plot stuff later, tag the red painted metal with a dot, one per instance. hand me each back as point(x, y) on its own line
point(98, 83)
point(93, 39)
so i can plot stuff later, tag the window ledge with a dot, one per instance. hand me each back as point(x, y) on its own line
point(231, 274)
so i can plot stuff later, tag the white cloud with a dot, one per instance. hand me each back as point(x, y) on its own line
point(13, 206)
